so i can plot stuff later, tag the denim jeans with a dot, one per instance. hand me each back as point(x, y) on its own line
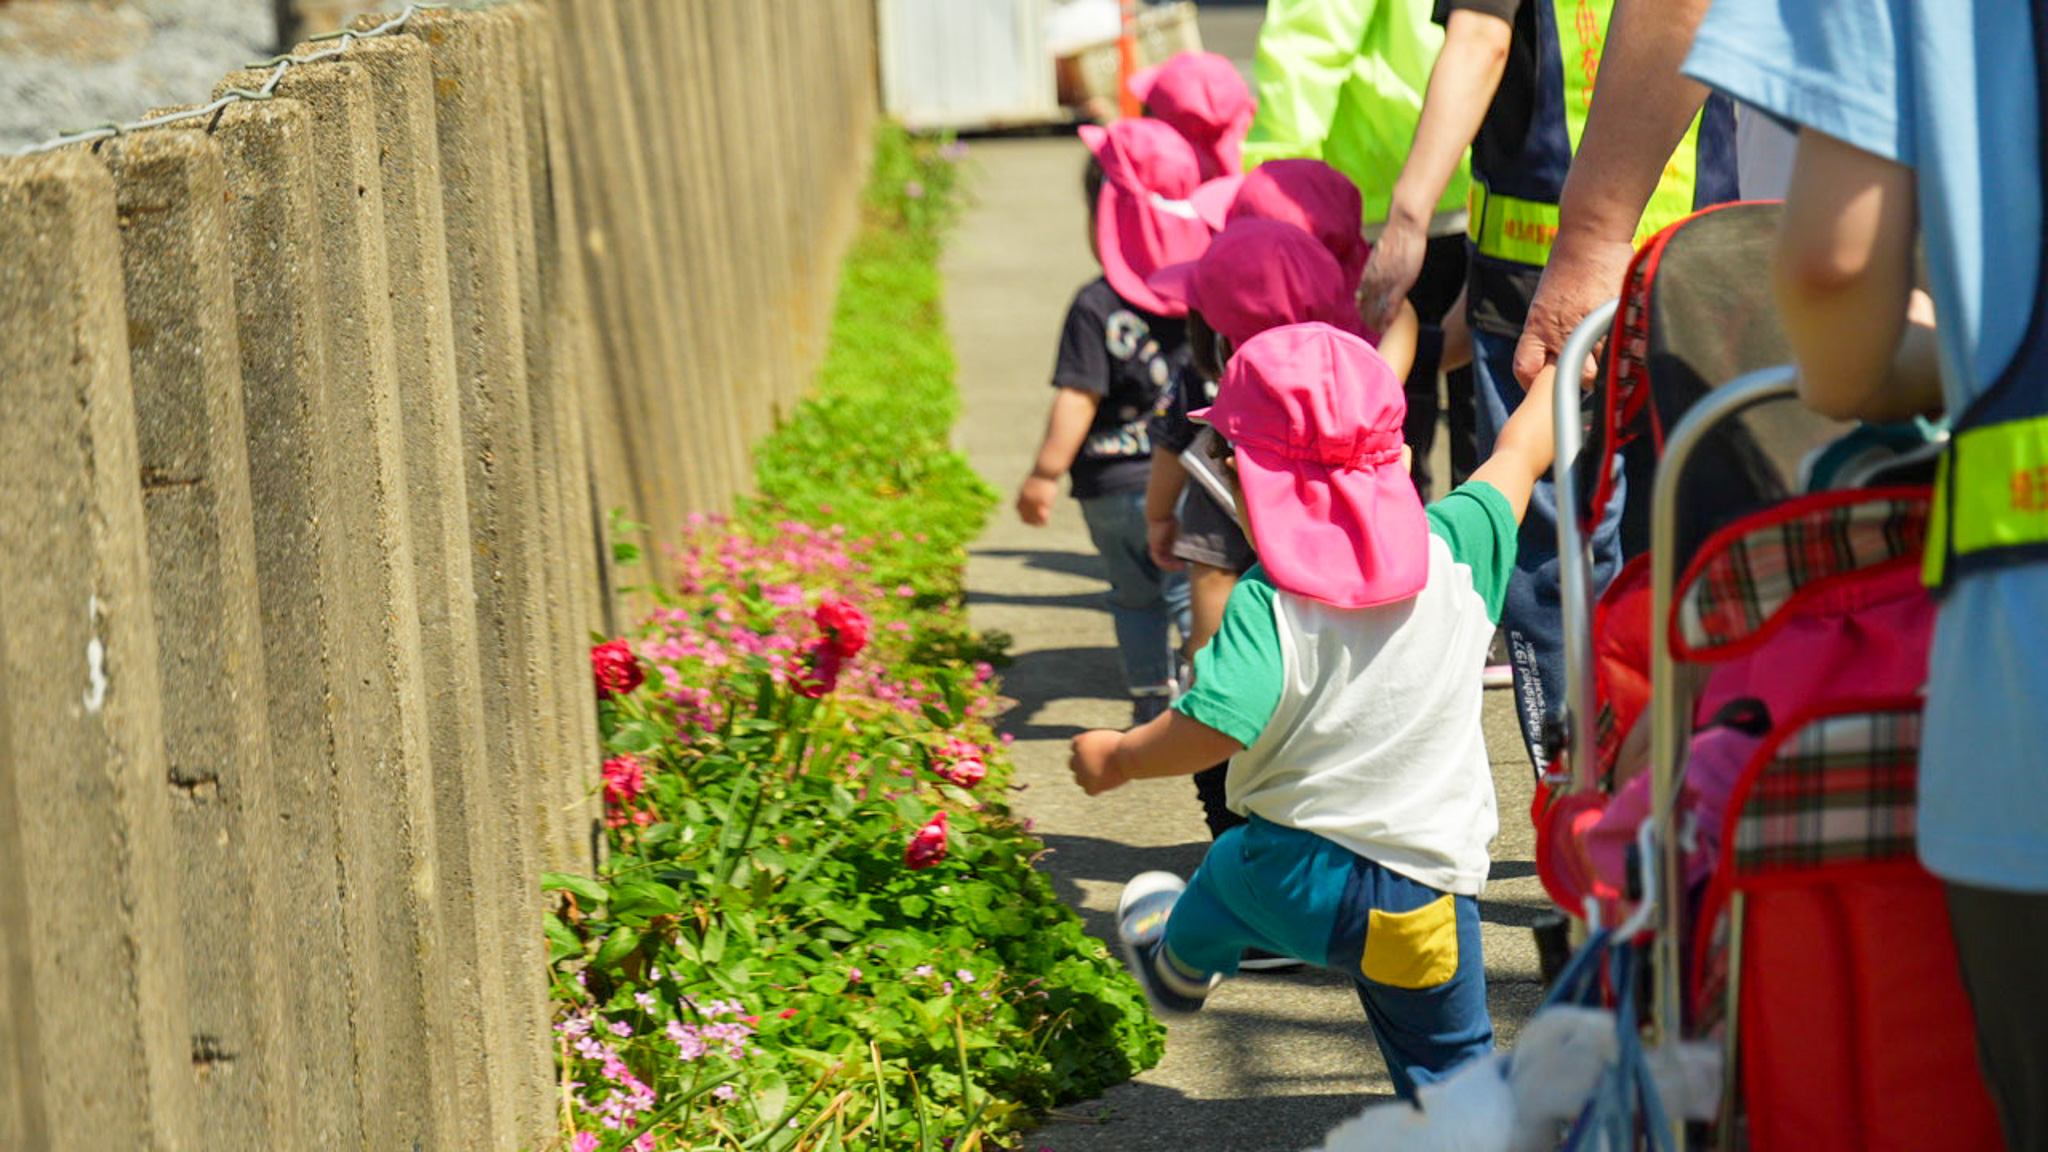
point(1533, 615)
point(1145, 603)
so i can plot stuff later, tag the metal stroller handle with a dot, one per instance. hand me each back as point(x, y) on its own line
point(1574, 546)
point(1671, 703)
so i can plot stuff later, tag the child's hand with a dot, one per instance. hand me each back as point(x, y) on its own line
point(1035, 499)
point(1090, 762)
point(1159, 540)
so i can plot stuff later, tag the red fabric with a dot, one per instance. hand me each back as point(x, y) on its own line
point(1855, 1033)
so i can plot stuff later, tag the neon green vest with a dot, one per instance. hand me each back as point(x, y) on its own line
point(1521, 228)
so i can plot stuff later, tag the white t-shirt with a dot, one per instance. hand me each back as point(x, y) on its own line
point(1362, 725)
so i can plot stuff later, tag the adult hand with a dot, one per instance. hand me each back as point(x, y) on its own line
point(1090, 761)
point(1160, 536)
point(1390, 272)
point(1578, 279)
point(1035, 499)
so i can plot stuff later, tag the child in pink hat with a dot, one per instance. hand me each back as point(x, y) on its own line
point(1119, 348)
point(1344, 687)
point(1203, 97)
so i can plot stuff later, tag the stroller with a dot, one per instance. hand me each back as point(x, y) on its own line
point(1743, 702)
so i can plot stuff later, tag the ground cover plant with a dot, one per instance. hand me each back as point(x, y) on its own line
point(819, 927)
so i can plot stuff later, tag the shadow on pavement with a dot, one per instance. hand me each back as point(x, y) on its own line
point(1083, 564)
point(1241, 1124)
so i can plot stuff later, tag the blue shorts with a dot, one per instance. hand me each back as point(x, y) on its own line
point(1413, 951)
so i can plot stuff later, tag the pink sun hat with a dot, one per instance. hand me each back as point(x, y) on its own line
point(1202, 96)
point(1143, 221)
point(1260, 274)
point(1315, 416)
point(1308, 194)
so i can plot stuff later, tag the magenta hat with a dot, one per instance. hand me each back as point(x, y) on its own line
point(1143, 221)
point(1260, 274)
point(1315, 416)
point(1201, 95)
point(1308, 194)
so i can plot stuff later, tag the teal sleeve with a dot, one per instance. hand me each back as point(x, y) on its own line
point(1238, 674)
point(1480, 528)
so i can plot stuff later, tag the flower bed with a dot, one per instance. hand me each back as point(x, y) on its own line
point(819, 926)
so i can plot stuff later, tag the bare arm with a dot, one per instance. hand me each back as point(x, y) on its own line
point(1641, 109)
point(1169, 744)
point(1162, 495)
point(1073, 411)
point(1522, 452)
point(1461, 88)
point(1844, 277)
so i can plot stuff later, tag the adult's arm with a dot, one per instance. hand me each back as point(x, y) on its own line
point(1641, 109)
point(1844, 280)
point(1461, 88)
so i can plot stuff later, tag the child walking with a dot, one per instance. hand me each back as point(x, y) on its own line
point(1344, 684)
point(1118, 349)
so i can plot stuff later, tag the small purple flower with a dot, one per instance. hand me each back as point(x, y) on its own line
point(724, 1092)
point(913, 189)
point(620, 1028)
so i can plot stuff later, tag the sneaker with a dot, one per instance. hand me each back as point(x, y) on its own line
point(1141, 916)
point(1260, 960)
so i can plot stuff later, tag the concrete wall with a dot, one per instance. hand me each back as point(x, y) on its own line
point(317, 406)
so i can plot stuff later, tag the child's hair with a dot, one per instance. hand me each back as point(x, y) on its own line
point(1205, 345)
point(1091, 181)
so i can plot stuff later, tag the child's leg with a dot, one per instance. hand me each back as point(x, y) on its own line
point(1144, 602)
point(1415, 955)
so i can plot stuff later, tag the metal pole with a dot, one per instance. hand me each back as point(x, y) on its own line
point(1574, 545)
point(1670, 704)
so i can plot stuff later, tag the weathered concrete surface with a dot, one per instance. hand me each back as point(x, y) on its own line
point(185, 358)
point(84, 766)
point(555, 387)
point(415, 237)
point(383, 779)
point(474, 105)
point(1275, 1060)
point(268, 149)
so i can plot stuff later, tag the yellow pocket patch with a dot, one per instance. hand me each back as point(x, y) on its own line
point(1412, 950)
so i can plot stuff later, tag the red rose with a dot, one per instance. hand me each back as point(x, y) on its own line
point(845, 626)
point(616, 668)
point(965, 772)
point(821, 674)
point(928, 846)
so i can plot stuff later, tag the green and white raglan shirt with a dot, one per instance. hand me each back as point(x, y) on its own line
point(1361, 725)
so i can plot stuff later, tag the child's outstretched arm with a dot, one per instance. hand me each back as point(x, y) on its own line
point(1169, 744)
point(1073, 411)
point(1523, 450)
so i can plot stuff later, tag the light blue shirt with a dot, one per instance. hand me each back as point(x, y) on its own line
point(1949, 90)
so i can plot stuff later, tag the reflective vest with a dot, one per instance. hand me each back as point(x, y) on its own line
point(1991, 492)
point(1513, 212)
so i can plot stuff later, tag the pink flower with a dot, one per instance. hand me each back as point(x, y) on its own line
point(965, 772)
point(624, 780)
point(583, 1142)
point(615, 667)
point(845, 626)
point(928, 846)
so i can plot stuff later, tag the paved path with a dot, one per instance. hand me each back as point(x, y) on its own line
point(1274, 1060)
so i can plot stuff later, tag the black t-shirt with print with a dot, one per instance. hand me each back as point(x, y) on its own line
point(1126, 356)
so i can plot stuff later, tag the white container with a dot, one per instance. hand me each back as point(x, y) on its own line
point(967, 64)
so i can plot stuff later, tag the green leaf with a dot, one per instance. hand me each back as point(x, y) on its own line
point(616, 947)
point(584, 888)
point(562, 941)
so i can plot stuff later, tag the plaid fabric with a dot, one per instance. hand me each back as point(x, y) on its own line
point(1840, 790)
point(1737, 584)
point(1631, 344)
